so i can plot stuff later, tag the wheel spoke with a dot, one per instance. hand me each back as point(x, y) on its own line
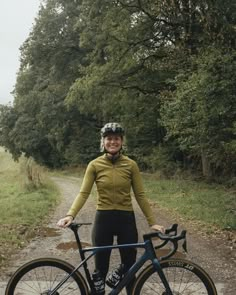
point(41, 276)
point(184, 278)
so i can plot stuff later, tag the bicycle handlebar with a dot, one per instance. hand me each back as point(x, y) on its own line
point(74, 225)
point(165, 237)
point(170, 235)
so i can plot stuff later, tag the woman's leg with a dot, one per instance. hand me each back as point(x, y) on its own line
point(102, 236)
point(127, 234)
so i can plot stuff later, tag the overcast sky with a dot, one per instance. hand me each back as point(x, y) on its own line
point(16, 20)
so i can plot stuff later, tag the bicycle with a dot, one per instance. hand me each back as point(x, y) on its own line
point(48, 276)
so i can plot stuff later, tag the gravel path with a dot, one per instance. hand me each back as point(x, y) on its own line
point(215, 254)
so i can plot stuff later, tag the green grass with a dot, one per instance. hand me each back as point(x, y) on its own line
point(22, 207)
point(208, 204)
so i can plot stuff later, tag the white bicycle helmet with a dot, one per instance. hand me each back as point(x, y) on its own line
point(112, 128)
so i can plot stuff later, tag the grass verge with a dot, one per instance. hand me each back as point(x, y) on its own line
point(209, 204)
point(23, 207)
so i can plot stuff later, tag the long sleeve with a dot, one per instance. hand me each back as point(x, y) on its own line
point(138, 189)
point(85, 190)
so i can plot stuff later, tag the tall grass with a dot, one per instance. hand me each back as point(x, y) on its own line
point(25, 199)
point(209, 204)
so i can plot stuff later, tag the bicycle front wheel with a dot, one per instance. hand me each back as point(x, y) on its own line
point(40, 276)
point(184, 277)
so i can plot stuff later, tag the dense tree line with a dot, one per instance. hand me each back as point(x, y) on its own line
point(164, 69)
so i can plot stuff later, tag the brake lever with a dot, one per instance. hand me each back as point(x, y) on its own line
point(184, 245)
point(173, 228)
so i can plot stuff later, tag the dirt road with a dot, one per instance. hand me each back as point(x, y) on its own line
point(214, 253)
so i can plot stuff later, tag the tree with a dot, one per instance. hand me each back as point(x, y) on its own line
point(7, 121)
point(50, 62)
point(88, 62)
point(201, 113)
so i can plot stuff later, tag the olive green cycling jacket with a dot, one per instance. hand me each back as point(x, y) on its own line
point(114, 182)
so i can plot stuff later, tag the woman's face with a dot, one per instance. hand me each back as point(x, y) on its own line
point(112, 143)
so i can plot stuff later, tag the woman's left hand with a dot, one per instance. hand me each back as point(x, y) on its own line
point(158, 227)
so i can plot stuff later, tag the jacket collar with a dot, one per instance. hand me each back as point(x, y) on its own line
point(112, 158)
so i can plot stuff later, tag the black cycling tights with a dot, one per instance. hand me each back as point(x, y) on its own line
point(107, 225)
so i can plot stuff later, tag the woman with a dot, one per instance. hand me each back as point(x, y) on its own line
point(114, 175)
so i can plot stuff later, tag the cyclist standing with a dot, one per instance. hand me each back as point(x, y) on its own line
point(115, 175)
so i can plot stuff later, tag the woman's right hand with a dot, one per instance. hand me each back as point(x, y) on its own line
point(64, 222)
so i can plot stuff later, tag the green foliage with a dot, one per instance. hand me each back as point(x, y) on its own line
point(136, 62)
point(8, 117)
point(162, 159)
point(201, 113)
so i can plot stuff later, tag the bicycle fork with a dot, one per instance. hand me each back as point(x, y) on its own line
point(161, 274)
point(157, 266)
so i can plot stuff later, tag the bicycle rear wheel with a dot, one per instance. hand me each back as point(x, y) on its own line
point(184, 278)
point(40, 276)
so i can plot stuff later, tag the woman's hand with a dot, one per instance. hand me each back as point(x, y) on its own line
point(66, 221)
point(158, 227)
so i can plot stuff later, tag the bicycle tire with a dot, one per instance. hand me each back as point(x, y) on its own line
point(184, 277)
point(41, 275)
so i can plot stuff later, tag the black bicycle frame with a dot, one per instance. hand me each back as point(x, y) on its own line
point(149, 254)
